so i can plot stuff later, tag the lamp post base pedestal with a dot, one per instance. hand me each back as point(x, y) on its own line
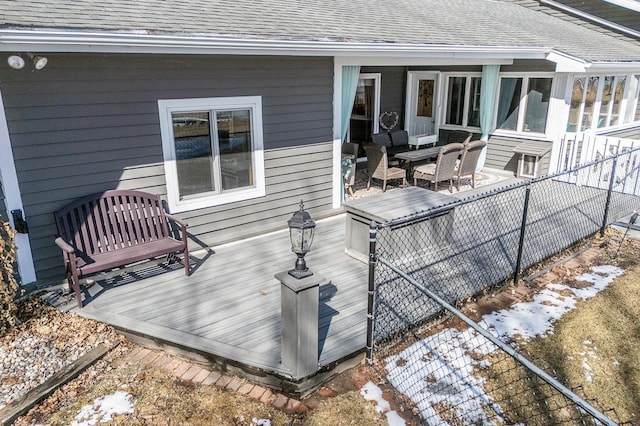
point(300, 298)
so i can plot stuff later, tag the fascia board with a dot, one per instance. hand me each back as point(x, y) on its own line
point(570, 64)
point(614, 67)
point(567, 63)
point(86, 42)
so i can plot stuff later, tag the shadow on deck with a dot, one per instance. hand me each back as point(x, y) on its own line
point(227, 313)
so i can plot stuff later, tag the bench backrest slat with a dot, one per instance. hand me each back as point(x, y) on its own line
point(146, 210)
point(138, 219)
point(119, 224)
point(111, 220)
point(91, 226)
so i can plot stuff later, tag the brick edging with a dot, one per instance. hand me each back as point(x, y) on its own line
point(197, 374)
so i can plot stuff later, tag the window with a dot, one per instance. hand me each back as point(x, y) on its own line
point(603, 100)
point(523, 104)
point(463, 101)
point(537, 105)
point(366, 109)
point(213, 151)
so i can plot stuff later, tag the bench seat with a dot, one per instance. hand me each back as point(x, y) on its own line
point(116, 228)
point(99, 262)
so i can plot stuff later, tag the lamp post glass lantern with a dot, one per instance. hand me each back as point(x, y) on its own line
point(301, 229)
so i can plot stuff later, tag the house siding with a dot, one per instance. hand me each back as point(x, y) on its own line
point(500, 154)
point(88, 123)
point(628, 133)
point(393, 81)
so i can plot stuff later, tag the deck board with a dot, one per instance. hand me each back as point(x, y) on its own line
point(230, 305)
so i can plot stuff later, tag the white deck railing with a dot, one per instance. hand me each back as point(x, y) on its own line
point(578, 149)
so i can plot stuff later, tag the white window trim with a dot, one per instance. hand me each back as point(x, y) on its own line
point(168, 106)
point(375, 125)
point(522, 106)
point(467, 100)
point(376, 77)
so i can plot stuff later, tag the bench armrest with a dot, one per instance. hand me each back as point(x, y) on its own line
point(64, 246)
point(177, 220)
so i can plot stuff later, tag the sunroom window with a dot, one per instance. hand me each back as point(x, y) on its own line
point(463, 101)
point(212, 150)
point(523, 104)
point(603, 100)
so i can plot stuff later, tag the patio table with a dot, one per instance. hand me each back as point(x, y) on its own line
point(395, 204)
point(408, 158)
point(418, 154)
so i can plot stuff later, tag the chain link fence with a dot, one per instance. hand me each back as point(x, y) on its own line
point(425, 266)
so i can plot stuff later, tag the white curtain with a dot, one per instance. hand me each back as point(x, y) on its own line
point(488, 94)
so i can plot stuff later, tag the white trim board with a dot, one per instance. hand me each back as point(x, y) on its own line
point(79, 41)
point(13, 200)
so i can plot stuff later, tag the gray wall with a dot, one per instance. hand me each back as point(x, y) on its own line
point(628, 133)
point(87, 123)
point(393, 82)
point(500, 154)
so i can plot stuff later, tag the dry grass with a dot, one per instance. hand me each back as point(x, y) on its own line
point(594, 349)
point(161, 399)
point(345, 409)
point(602, 332)
point(597, 346)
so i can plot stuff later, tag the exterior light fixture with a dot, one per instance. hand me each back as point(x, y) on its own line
point(301, 229)
point(16, 62)
point(39, 62)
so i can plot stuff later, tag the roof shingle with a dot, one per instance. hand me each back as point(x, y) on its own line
point(483, 23)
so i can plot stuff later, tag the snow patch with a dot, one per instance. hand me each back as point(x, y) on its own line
point(371, 392)
point(103, 409)
point(439, 370)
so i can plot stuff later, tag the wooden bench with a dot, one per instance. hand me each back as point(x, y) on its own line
point(115, 228)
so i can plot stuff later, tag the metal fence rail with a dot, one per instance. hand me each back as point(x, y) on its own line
point(463, 376)
point(422, 266)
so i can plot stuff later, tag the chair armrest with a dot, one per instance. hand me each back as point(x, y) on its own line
point(64, 246)
point(177, 220)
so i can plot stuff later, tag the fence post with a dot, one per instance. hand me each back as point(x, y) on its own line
point(373, 229)
point(523, 226)
point(612, 179)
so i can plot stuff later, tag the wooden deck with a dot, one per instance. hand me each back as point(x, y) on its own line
point(228, 311)
point(230, 306)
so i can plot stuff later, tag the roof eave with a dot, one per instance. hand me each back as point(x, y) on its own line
point(12, 40)
point(571, 64)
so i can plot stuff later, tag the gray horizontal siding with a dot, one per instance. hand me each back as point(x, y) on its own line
point(87, 123)
point(628, 133)
point(500, 154)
